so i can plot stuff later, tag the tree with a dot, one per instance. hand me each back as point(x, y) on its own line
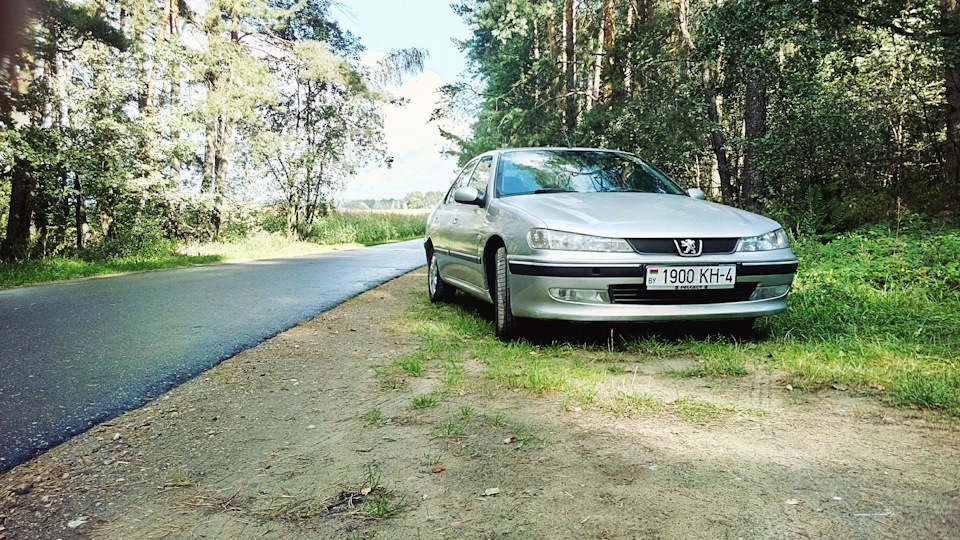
point(29, 100)
point(950, 13)
point(325, 125)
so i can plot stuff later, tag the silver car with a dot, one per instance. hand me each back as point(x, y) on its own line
point(598, 235)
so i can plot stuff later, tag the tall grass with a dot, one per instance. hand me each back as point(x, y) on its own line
point(368, 227)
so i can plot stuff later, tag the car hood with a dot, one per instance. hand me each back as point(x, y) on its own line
point(639, 215)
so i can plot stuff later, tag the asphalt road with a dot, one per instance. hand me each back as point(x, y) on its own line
point(77, 353)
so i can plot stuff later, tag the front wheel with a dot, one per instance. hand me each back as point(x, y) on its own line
point(438, 289)
point(506, 323)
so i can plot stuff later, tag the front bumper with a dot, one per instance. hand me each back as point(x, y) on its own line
point(617, 292)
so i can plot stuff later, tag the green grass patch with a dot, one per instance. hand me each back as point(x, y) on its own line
point(452, 429)
point(627, 404)
point(58, 269)
point(374, 417)
point(412, 363)
point(928, 391)
point(425, 401)
point(716, 368)
point(698, 411)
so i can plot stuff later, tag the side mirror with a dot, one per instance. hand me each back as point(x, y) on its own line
point(468, 195)
point(696, 193)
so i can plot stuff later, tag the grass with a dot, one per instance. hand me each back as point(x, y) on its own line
point(374, 417)
point(425, 401)
point(338, 231)
point(58, 269)
point(181, 479)
point(452, 429)
point(876, 310)
point(368, 228)
point(411, 364)
point(382, 506)
point(718, 367)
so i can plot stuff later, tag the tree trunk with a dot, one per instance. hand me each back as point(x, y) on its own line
point(570, 70)
point(22, 192)
point(754, 127)
point(80, 217)
point(172, 8)
point(717, 140)
point(950, 10)
point(210, 155)
point(224, 148)
point(684, 25)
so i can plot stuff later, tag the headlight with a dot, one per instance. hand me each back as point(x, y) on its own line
point(549, 239)
point(765, 242)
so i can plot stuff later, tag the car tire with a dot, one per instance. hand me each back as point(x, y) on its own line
point(505, 322)
point(438, 289)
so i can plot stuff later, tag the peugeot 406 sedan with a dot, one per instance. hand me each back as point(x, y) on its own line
point(600, 235)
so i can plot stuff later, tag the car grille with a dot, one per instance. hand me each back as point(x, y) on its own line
point(638, 294)
point(662, 246)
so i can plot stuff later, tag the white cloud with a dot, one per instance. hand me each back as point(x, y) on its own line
point(415, 145)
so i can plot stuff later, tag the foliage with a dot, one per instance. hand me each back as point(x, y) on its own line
point(823, 113)
point(128, 124)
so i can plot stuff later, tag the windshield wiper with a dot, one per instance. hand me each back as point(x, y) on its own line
point(554, 190)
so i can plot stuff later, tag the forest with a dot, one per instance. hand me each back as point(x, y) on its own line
point(128, 125)
point(825, 114)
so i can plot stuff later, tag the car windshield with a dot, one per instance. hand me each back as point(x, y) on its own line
point(524, 172)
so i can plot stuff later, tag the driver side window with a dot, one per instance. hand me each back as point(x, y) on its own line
point(460, 181)
point(480, 178)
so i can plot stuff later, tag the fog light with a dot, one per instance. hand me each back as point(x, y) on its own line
point(583, 296)
point(763, 293)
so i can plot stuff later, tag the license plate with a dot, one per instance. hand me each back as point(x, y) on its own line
point(691, 277)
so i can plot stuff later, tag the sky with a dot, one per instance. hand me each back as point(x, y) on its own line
point(414, 144)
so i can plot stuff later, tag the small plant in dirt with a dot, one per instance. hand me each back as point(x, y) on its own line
point(466, 412)
point(496, 420)
point(181, 479)
point(521, 436)
point(452, 429)
point(412, 364)
point(373, 417)
point(372, 481)
point(382, 506)
point(431, 460)
point(454, 374)
point(425, 401)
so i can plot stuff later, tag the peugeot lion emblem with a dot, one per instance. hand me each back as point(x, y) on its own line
point(689, 247)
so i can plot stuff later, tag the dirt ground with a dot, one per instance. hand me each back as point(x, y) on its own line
point(281, 442)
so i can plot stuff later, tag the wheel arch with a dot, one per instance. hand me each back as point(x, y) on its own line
point(490, 261)
point(428, 248)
